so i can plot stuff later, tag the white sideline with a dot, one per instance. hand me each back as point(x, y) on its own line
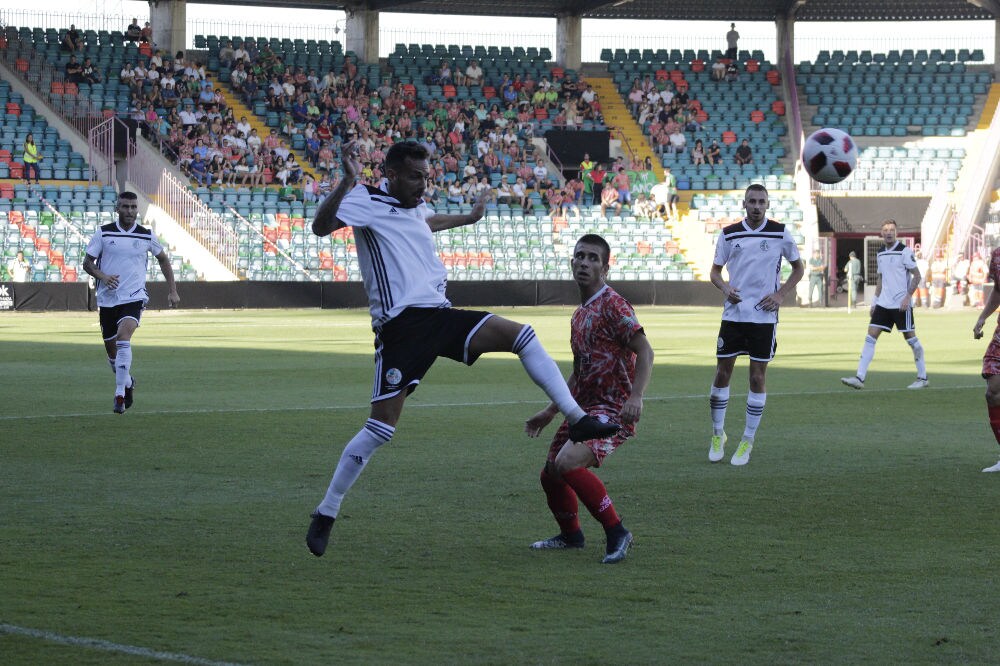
point(108, 646)
point(448, 405)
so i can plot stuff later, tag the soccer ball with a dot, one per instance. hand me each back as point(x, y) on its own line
point(829, 155)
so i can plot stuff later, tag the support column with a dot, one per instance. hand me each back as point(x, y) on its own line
point(168, 19)
point(996, 49)
point(361, 35)
point(785, 40)
point(569, 42)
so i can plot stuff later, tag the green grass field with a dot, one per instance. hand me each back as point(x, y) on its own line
point(862, 531)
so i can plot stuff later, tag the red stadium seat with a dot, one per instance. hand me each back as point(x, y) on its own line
point(757, 116)
point(728, 137)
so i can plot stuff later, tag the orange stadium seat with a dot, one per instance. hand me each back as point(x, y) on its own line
point(557, 73)
point(773, 77)
point(13, 109)
point(778, 107)
point(697, 65)
point(489, 92)
point(757, 116)
point(448, 91)
point(57, 88)
point(753, 66)
point(728, 137)
point(22, 64)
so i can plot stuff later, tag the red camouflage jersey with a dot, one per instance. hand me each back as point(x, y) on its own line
point(604, 365)
point(991, 359)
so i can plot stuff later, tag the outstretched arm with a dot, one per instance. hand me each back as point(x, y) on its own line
point(326, 222)
point(632, 409)
point(991, 305)
point(440, 222)
point(732, 294)
point(773, 301)
point(534, 426)
point(168, 275)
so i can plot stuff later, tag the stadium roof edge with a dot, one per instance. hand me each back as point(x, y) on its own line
point(673, 10)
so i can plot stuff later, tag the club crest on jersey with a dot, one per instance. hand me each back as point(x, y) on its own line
point(763, 245)
point(393, 376)
point(137, 244)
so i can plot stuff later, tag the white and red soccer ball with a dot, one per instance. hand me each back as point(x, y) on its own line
point(829, 155)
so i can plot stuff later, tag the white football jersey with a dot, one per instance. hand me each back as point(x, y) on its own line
point(753, 257)
point(396, 252)
point(123, 253)
point(894, 265)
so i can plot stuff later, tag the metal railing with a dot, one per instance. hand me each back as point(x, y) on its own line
point(202, 223)
point(265, 241)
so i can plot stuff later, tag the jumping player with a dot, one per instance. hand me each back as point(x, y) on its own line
point(612, 363)
point(412, 317)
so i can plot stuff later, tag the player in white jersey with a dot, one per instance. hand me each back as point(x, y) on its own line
point(752, 250)
point(412, 317)
point(116, 258)
point(898, 278)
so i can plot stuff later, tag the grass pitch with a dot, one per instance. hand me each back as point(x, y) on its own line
point(862, 531)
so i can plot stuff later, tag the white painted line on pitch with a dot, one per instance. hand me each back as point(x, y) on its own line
point(108, 646)
point(448, 405)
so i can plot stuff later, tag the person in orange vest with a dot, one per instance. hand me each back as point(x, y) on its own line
point(939, 278)
point(923, 295)
point(978, 271)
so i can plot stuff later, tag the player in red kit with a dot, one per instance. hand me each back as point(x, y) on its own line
point(991, 360)
point(612, 363)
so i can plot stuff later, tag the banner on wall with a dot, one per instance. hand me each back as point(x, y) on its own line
point(6, 295)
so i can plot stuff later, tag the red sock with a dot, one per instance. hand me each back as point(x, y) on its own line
point(593, 494)
point(562, 502)
point(994, 411)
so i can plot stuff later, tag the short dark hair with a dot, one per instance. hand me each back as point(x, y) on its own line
point(594, 239)
point(757, 187)
point(128, 194)
point(890, 221)
point(399, 152)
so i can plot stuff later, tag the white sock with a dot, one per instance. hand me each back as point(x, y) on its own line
point(718, 400)
point(755, 410)
point(867, 354)
point(352, 463)
point(544, 372)
point(123, 366)
point(918, 357)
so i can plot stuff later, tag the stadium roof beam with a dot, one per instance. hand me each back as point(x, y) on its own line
point(672, 10)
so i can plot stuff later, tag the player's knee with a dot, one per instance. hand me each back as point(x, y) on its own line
point(992, 395)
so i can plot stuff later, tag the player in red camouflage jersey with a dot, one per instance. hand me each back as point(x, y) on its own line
point(991, 360)
point(612, 363)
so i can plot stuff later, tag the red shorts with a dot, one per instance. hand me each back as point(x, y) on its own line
point(601, 448)
point(991, 359)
